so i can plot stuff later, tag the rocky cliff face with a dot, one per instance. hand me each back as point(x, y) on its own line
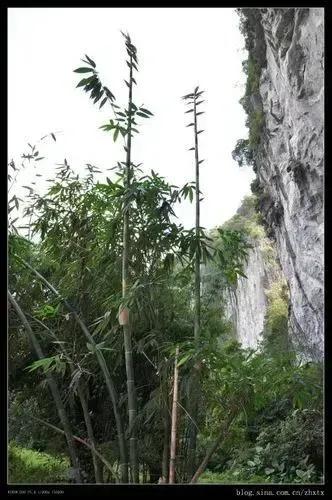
point(246, 303)
point(288, 46)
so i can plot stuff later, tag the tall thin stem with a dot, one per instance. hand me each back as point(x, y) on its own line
point(194, 393)
point(54, 390)
point(197, 323)
point(131, 390)
point(174, 420)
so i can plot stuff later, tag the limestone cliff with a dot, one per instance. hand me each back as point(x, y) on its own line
point(284, 101)
point(246, 303)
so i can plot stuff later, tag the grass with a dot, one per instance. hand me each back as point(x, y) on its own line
point(30, 466)
point(209, 477)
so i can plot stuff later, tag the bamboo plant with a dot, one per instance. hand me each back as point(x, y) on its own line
point(194, 100)
point(53, 388)
point(101, 360)
point(124, 122)
point(64, 354)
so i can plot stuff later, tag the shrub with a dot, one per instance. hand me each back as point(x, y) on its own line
point(29, 466)
point(247, 219)
point(22, 428)
point(289, 450)
point(253, 72)
point(229, 477)
point(275, 335)
point(255, 123)
point(242, 153)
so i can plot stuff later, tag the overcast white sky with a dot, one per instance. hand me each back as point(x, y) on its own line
point(178, 48)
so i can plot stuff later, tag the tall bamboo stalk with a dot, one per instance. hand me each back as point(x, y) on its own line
point(174, 420)
point(126, 129)
point(165, 457)
point(131, 389)
point(102, 363)
point(98, 471)
point(194, 393)
point(54, 390)
point(197, 323)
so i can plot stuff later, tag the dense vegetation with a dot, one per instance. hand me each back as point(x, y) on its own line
point(116, 366)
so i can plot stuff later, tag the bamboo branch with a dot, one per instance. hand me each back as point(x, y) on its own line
point(85, 443)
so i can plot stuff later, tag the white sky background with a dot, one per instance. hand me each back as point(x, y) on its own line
point(178, 49)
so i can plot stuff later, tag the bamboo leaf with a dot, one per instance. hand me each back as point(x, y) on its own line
point(146, 111)
point(116, 133)
point(85, 81)
point(83, 70)
point(90, 61)
point(142, 114)
point(183, 360)
point(103, 102)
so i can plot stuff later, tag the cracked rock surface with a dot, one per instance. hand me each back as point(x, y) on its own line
point(290, 159)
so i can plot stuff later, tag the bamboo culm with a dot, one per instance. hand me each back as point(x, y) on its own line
point(194, 393)
point(131, 389)
point(54, 390)
point(174, 421)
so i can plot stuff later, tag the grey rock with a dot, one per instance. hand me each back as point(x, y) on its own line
point(290, 161)
point(245, 303)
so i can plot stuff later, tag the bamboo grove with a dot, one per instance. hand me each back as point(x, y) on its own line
point(140, 378)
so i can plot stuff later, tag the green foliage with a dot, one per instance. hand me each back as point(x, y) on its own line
point(255, 124)
point(232, 251)
point(30, 466)
point(53, 363)
point(230, 477)
point(288, 450)
point(275, 335)
point(247, 219)
point(22, 428)
point(253, 71)
point(244, 151)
